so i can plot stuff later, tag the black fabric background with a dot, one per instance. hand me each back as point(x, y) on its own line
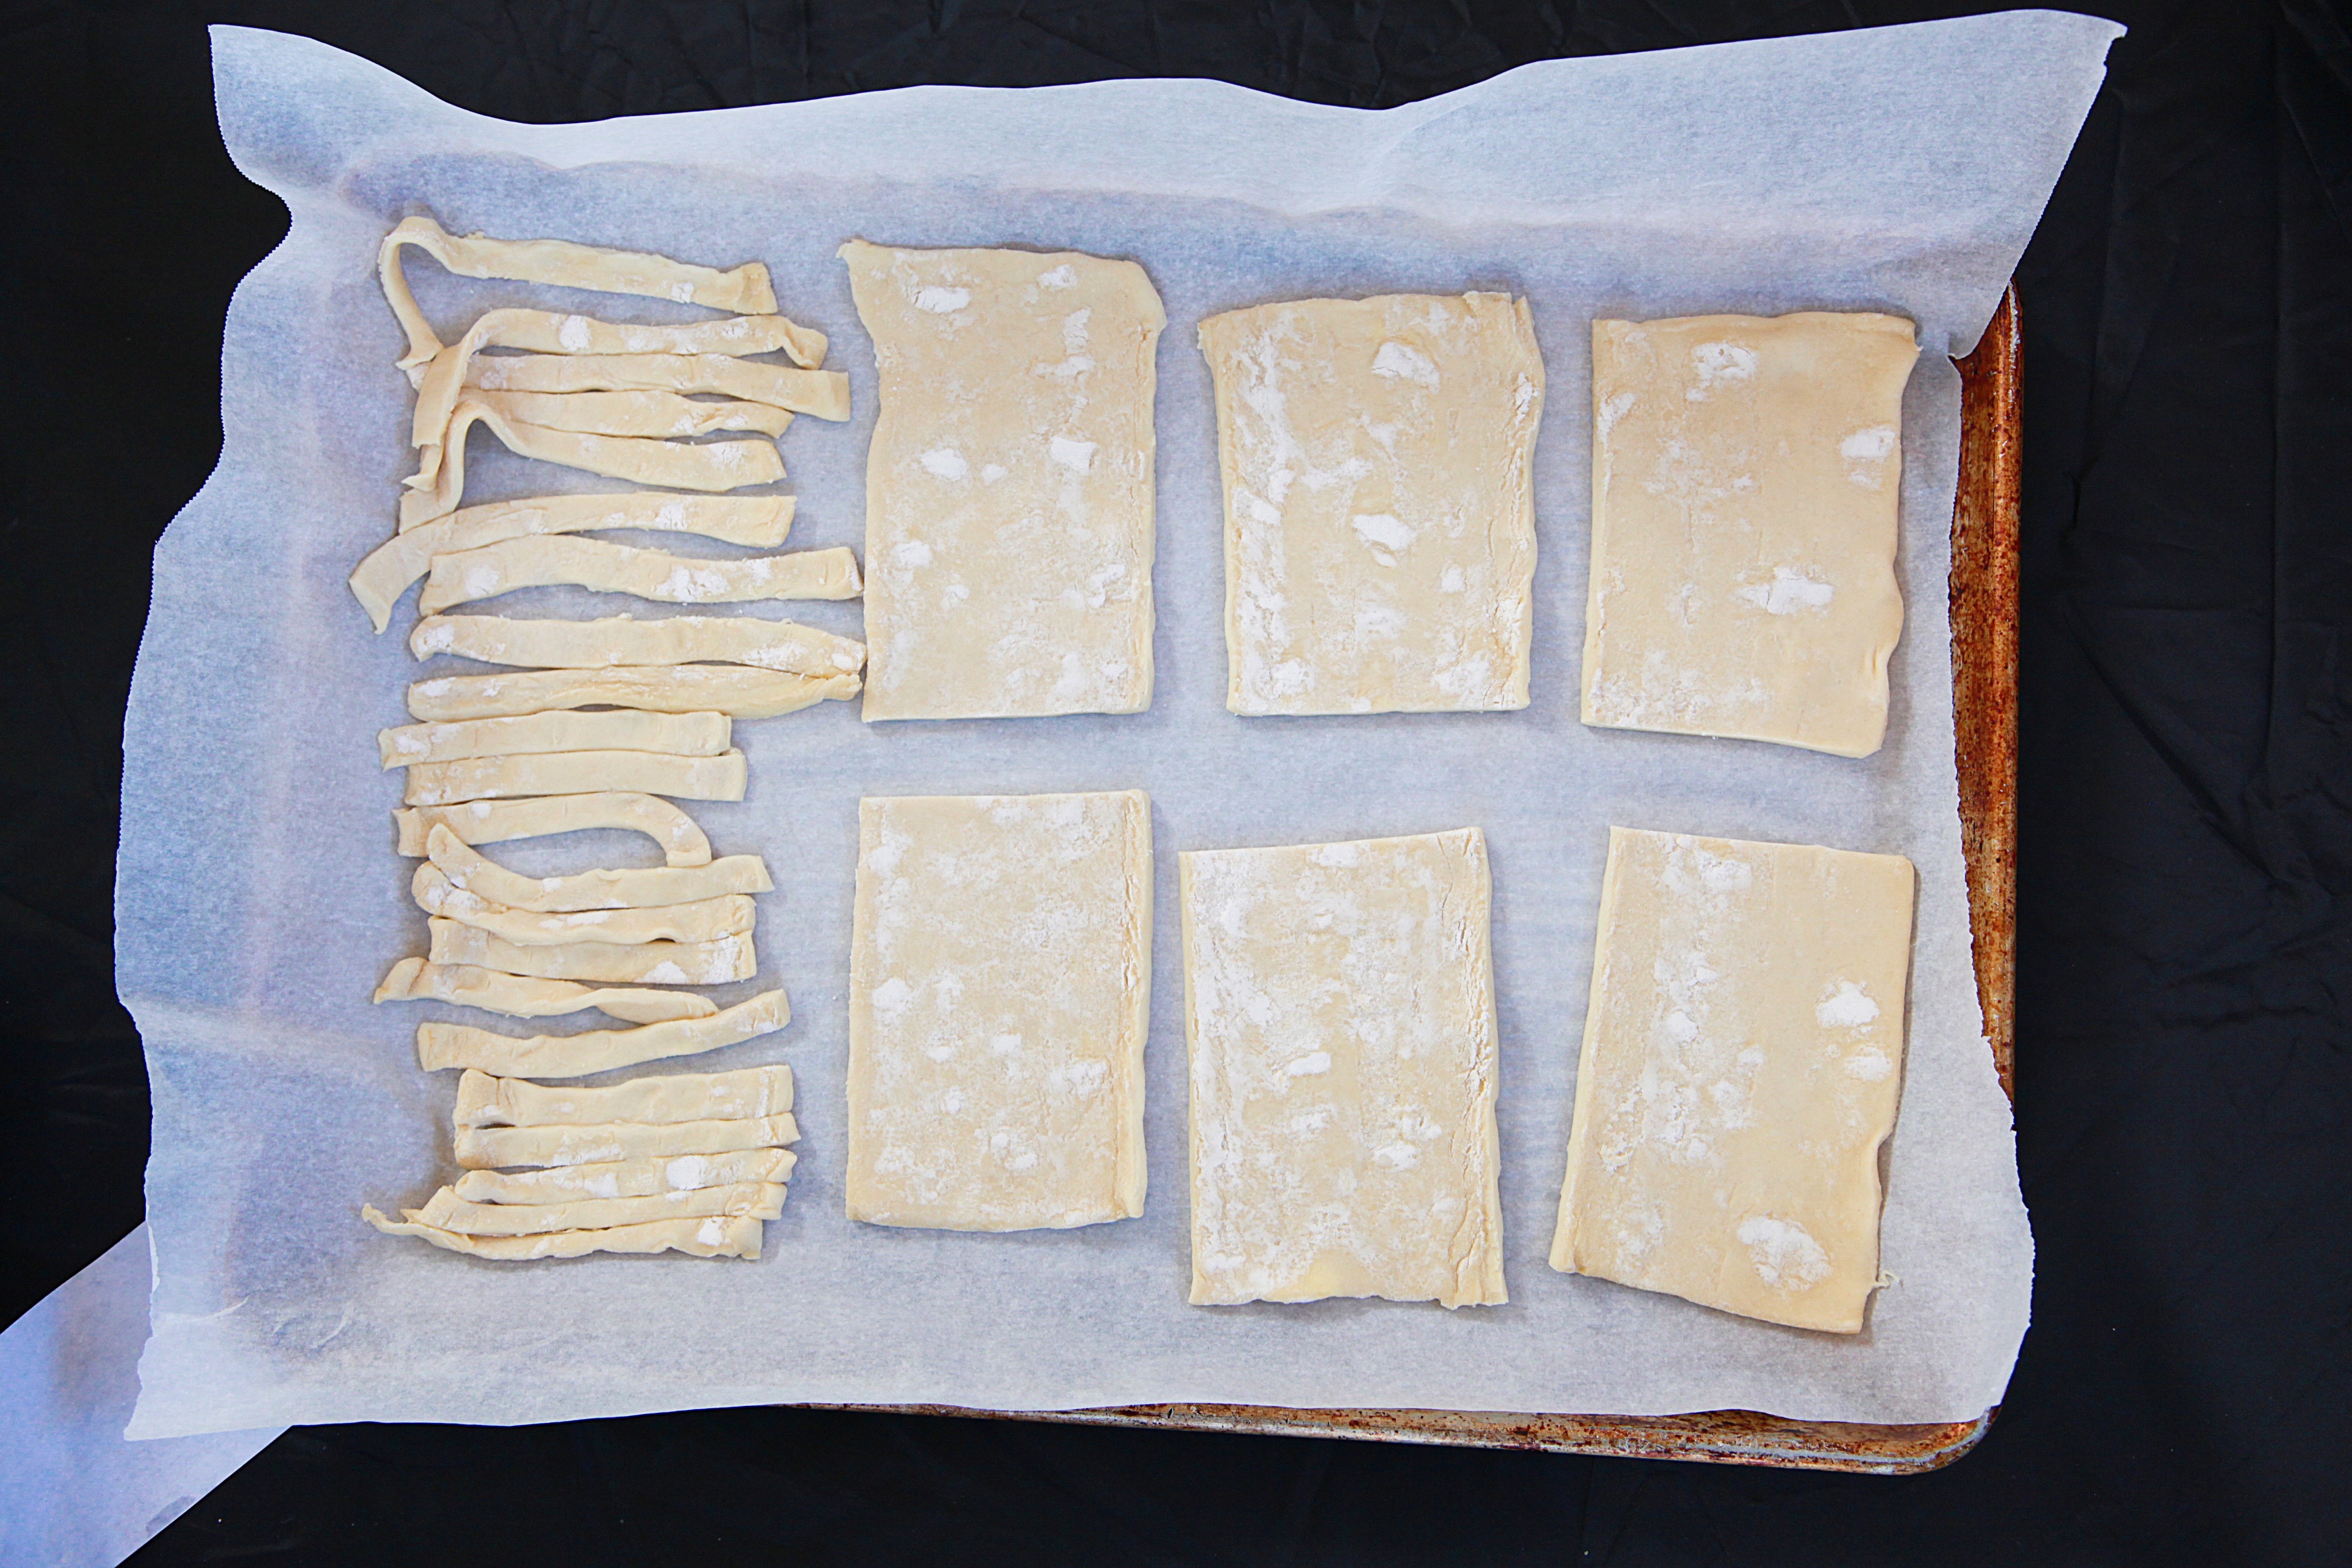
point(2186, 944)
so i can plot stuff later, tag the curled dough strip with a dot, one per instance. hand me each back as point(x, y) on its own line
point(670, 735)
point(626, 1178)
point(742, 693)
point(654, 574)
point(442, 1045)
point(713, 1237)
point(823, 393)
point(561, 262)
point(654, 414)
point(706, 920)
point(415, 980)
point(482, 1148)
point(721, 777)
point(498, 821)
point(719, 963)
point(711, 465)
point(602, 890)
point(486, 1101)
point(445, 1210)
point(378, 582)
point(621, 641)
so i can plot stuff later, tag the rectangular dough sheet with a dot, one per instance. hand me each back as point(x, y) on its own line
point(1339, 1007)
point(1009, 486)
point(1379, 517)
point(1745, 472)
point(1743, 1055)
point(1000, 991)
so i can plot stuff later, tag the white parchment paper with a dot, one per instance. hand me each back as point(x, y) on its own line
point(260, 897)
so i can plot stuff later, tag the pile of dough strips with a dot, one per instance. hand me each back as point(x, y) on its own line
point(599, 724)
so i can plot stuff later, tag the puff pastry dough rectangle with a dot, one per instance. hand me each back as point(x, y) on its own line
point(1745, 472)
point(1009, 485)
point(1380, 522)
point(1000, 989)
point(1339, 1004)
point(1743, 1055)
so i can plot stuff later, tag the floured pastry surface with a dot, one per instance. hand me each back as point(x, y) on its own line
point(1339, 1007)
point(660, 414)
point(444, 1045)
point(485, 1101)
point(822, 393)
point(1379, 516)
point(704, 920)
point(720, 961)
point(485, 1148)
point(543, 559)
point(746, 1200)
point(738, 693)
point(626, 888)
point(721, 777)
point(1742, 1061)
point(682, 840)
point(618, 640)
point(717, 1236)
point(1009, 486)
point(625, 1178)
point(1746, 477)
point(677, 734)
point(1000, 989)
point(523, 996)
point(710, 466)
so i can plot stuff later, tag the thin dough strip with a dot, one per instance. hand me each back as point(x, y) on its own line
point(746, 1093)
point(626, 1178)
point(682, 840)
point(706, 920)
point(599, 889)
point(714, 1237)
point(562, 262)
point(722, 777)
point(712, 466)
point(623, 640)
point(483, 1148)
point(654, 414)
point(721, 962)
point(646, 573)
point(378, 582)
point(673, 734)
point(469, 985)
point(741, 693)
point(444, 1045)
point(821, 393)
point(445, 1210)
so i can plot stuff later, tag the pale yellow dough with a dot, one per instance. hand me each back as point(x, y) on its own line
point(718, 963)
point(1746, 477)
point(705, 919)
point(1380, 513)
point(621, 641)
point(625, 1178)
point(739, 693)
point(518, 996)
point(1340, 1006)
point(824, 394)
point(445, 1210)
point(482, 1148)
point(444, 1045)
point(656, 413)
point(1743, 1058)
point(1009, 485)
point(646, 573)
point(484, 1100)
point(1000, 990)
point(682, 841)
point(717, 1236)
point(763, 521)
point(722, 777)
point(677, 465)
point(601, 890)
point(677, 734)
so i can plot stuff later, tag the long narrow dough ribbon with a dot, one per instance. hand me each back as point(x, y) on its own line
point(486, 1100)
point(445, 1210)
point(444, 1045)
point(821, 393)
point(740, 693)
point(673, 734)
point(646, 573)
point(563, 262)
point(659, 415)
point(721, 962)
point(518, 996)
point(485, 1148)
point(672, 464)
point(626, 1178)
point(717, 1236)
point(683, 842)
point(378, 582)
point(598, 890)
point(722, 777)
point(623, 640)
point(706, 920)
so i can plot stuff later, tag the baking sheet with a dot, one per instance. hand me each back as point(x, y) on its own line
point(259, 899)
